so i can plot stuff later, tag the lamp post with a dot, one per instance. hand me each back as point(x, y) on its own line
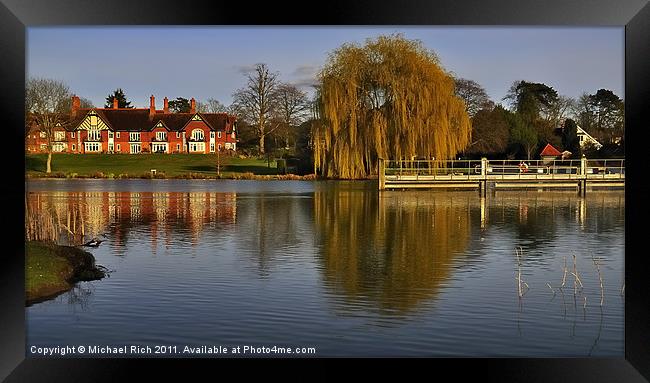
point(218, 162)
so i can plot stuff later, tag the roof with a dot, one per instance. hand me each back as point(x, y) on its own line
point(549, 150)
point(136, 120)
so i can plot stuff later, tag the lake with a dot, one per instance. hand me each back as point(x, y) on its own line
point(340, 267)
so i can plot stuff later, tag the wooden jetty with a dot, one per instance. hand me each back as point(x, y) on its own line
point(483, 174)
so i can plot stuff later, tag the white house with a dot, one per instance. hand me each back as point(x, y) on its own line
point(586, 138)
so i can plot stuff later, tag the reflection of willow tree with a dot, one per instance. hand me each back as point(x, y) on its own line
point(393, 250)
point(271, 225)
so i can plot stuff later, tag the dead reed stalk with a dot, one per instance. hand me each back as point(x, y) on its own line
point(600, 278)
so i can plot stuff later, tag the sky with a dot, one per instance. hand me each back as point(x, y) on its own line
point(212, 62)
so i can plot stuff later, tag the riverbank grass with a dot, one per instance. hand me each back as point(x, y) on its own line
point(52, 269)
point(139, 165)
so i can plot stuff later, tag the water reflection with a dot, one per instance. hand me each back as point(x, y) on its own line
point(273, 229)
point(116, 215)
point(394, 250)
point(340, 266)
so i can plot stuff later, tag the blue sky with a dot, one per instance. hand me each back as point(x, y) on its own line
point(210, 62)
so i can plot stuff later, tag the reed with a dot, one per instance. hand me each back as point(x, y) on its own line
point(520, 282)
point(600, 278)
point(46, 225)
point(576, 278)
point(549, 286)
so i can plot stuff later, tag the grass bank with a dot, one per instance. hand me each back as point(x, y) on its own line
point(52, 269)
point(140, 165)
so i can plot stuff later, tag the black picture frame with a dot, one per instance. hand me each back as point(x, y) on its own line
point(17, 15)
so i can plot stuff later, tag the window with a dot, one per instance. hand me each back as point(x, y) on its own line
point(211, 134)
point(159, 148)
point(74, 147)
point(42, 134)
point(117, 135)
point(118, 147)
point(110, 134)
point(71, 134)
point(219, 134)
point(94, 135)
point(219, 147)
point(197, 135)
point(227, 146)
point(110, 148)
point(211, 147)
point(135, 148)
point(197, 147)
point(161, 136)
point(134, 136)
point(178, 134)
point(93, 146)
point(178, 146)
point(232, 135)
point(59, 136)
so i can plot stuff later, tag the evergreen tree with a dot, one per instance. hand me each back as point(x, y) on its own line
point(121, 100)
point(570, 139)
point(180, 105)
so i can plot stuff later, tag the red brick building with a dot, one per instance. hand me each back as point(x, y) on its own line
point(115, 130)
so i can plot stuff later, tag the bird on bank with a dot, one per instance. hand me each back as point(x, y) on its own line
point(93, 243)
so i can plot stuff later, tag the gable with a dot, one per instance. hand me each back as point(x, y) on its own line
point(93, 121)
point(160, 125)
point(196, 122)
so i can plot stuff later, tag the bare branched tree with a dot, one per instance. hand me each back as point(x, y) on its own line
point(293, 108)
point(211, 106)
point(474, 95)
point(256, 102)
point(48, 103)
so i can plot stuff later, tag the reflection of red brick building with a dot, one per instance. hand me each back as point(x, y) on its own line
point(114, 130)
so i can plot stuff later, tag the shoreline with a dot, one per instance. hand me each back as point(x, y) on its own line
point(233, 177)
point(51, 270)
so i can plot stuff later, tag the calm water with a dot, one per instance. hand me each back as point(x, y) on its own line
point(339, 267)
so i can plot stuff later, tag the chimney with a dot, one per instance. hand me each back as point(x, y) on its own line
point(166, 105)
point(152, 106)
point(192, 106)
point(115, 103)
point(76, 103)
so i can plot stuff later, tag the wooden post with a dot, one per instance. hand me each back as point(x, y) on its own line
point(583, 176)
point(483, 181)
point(380, 173)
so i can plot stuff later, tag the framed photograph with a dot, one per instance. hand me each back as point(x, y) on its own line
point(423, 181)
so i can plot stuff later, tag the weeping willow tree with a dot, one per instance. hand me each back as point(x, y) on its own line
point(387, 99)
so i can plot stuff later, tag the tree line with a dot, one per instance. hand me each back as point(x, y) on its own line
point(535, 115)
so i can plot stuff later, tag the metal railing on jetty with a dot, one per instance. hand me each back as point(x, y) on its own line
point(407, 174)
